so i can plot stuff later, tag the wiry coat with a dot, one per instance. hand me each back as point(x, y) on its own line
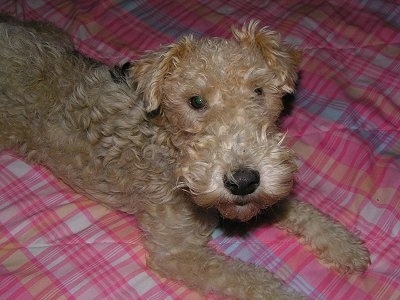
point(190, 132)
point(67, 111)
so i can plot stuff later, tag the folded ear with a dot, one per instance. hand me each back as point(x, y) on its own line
point(150, 71)
point(281, 58)
point(120, 74)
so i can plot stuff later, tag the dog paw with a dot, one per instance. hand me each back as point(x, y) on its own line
point(346, 255)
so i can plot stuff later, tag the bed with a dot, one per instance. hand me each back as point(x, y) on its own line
point(344, 125)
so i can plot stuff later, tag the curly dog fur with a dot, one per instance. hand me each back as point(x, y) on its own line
point(186, 136)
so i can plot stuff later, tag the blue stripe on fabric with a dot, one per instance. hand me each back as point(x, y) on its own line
point(340, 112)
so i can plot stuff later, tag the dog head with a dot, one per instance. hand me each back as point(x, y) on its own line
point(219, 101)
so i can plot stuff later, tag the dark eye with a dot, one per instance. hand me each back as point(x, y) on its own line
point(197, 102)
point(259, 91)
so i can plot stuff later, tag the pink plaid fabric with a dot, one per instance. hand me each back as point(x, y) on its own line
point(344, 127)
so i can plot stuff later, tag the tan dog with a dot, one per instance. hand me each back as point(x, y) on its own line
point(189, 136)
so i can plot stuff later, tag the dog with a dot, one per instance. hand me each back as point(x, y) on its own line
point(183, 137)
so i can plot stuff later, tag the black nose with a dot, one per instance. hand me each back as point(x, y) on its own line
point(244, 181)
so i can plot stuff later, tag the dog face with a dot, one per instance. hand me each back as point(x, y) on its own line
point(219, 101)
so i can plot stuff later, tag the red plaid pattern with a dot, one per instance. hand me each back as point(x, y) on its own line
point(344, 127)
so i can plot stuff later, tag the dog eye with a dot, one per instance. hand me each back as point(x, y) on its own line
point(259, 91)
point(197, 102)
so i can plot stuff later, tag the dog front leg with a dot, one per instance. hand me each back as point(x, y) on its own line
point(331, 241)
point(177, 249)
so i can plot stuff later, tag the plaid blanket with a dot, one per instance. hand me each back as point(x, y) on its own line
point(344, 127)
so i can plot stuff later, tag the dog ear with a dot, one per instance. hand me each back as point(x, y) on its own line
point(150, 72)
point(120, 74)
point(283, 59)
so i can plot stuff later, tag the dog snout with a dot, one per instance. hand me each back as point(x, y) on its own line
point(243, 181)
